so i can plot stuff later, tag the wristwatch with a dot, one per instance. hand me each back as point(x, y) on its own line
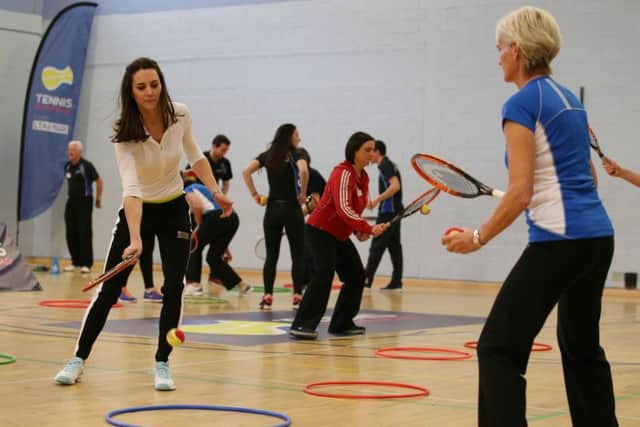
point(476, 238)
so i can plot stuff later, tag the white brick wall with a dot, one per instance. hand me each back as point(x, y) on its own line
point(421, 75)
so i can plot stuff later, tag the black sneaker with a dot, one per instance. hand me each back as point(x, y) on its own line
point(392, 287)
point(354, 330)
point(301, 333)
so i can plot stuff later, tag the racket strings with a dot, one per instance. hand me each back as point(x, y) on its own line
point(447, 177)
point(417, 204)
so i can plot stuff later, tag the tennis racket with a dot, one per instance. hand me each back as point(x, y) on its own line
point(593, 141)
point(449, 178)
point(129, 261)
point(260, 249)
point(415, 206)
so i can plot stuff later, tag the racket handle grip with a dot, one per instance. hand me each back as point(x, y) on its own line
point(497, 193)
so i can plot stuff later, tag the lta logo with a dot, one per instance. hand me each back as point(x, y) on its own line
point(53, 78)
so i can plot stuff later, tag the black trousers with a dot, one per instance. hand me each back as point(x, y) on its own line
point(217, 233)
point(331, 256)
point(390, 240)
point(169, 222)
point(570, 273)
point(79, 233)
point(146, 260)
point(287, 215)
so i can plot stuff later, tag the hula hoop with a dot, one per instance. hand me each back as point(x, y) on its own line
point(70, 303)
point(276, 290)
point(421, 390)
point(204, 300)
point(6, 359)
point(334, 286)
point(535, 347)
point(109, 417)
point(454, 354)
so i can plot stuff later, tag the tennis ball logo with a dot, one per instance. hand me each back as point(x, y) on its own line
point(53, 78)
point(175, 337)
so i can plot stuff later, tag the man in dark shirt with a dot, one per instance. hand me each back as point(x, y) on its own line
point(80, 175)
point(220, 165)
point(390, 203)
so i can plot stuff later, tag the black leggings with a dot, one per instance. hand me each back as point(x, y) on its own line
point(217, 233)
point(170, 223)
point(570, 273)
point(331, 256)
point(277, 216)
point(79, 234)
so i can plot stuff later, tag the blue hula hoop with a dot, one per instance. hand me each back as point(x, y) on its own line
point(109, 417)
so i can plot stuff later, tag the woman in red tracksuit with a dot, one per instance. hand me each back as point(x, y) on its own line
point(337, 215)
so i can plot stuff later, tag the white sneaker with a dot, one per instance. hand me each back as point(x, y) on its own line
point(216, 289)
point(69, 268)
point(71, 372)
point(193, 289)
point(244, 288)
point(85, 270)
point(163, 380)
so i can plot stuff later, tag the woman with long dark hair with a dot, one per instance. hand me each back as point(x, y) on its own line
point(151, 136)
point(288, 176)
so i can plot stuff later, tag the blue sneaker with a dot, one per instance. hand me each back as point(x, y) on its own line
point(71, 372)
point(125, 296)
point(163, 380)
point(152, 295)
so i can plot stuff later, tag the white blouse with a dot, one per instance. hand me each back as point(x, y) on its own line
point(150, 170)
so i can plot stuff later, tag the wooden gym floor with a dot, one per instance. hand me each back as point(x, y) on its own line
point(272, 375)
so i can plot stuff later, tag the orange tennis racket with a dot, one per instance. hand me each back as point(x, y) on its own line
point(129, 261)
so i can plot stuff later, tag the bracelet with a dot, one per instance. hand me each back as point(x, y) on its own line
point(476, 238)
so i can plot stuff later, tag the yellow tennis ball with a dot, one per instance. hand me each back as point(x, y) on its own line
point(263, 200)
point(425, 210)
point(175, 337)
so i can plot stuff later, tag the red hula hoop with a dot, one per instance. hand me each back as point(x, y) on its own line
point(535, 347)
point(454, 354)
point(70, 303)
point(422, 391)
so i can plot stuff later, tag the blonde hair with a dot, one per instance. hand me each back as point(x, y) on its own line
point(536, 33)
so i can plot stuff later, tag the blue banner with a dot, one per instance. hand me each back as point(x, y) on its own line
point(51, 107)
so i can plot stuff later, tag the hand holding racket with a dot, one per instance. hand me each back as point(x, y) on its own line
point(449, 178)
point(128, 261)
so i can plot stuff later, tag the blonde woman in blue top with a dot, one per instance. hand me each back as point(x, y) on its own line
point(567, 258)
point(151, 136)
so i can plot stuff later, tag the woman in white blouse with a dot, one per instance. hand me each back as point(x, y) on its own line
point(151, 135)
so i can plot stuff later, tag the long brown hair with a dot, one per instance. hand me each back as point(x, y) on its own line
point(280, 149)
point(129, 126)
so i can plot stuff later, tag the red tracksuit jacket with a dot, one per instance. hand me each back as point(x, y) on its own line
point(344, 198)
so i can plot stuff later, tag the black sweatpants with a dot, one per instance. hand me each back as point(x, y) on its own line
point(287, 215)
point(146, 260)
point(79, 233)
point(217, 233)
point(331, 256)
point(390, 239)
point(170, 223)
point(572, 274)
